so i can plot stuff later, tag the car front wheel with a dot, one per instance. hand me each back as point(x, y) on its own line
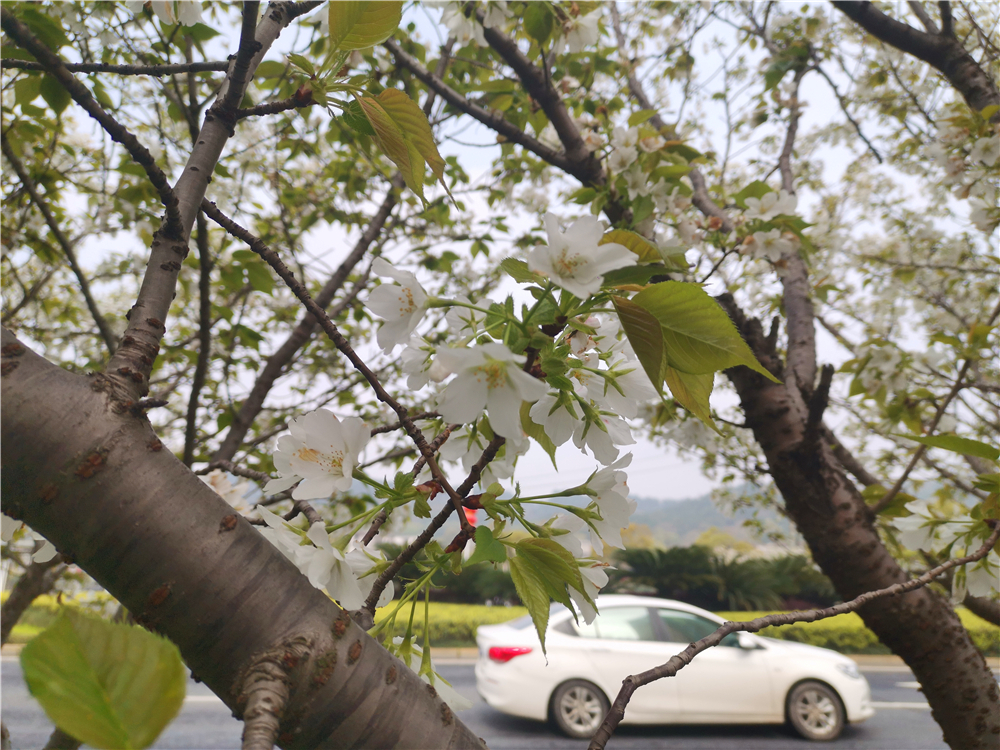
point(815, 711)
point(578, 708)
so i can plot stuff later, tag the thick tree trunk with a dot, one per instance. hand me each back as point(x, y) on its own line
point(921, 627)
point(95, 480)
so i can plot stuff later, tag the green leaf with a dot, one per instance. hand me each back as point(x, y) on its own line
point(646, 336)
point(259, 276)
point(411, 119)
point(957, 444)
point(359, 25)
point(109, 685)
point(692, 392)
point(698, 336)
point(531, 591)
point(403, 134)
point(637, 118)
point(47, 29)
point(270, 69)
point(536, 431)
point(632, 275)
point(543, 570)
point(487, 549)
point(647, 252)
point(755, 189)
point(539, 21)
point(27, 89)
point(303, 63)
point(518, 270)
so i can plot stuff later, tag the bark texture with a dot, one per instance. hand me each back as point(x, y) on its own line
point(829, 512)
point(92, 477)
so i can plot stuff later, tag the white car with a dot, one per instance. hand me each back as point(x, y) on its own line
point(744, 680)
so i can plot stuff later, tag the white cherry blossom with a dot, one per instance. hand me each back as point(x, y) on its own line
point(401, 305)
point(594, 579)
point(568, 527)
point(574, 260)
point(8, 526)
point(636, 182)
point(582, 31)
point(489, 376)
point(986, 150)
point(465, 30)
point(603, 444)
point(771, 204)
point(559, 420)
point(183, 12)
point(322, 451)
point(770, 245)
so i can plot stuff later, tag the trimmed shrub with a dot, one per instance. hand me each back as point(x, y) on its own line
point(848, 634)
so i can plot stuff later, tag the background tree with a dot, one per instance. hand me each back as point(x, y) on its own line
point(589, 107)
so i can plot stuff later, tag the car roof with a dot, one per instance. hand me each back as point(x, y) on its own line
point(608, 601)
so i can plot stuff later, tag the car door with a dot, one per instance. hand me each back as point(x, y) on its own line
point(722, 684)
point(622, 641)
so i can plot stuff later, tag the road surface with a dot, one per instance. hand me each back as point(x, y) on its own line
point(902, 722)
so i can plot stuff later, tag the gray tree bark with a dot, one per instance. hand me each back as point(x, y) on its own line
point(92, 477)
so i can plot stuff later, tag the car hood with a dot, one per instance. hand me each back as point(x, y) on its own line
point(793, 648)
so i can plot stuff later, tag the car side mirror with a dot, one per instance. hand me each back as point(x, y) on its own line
point(746, 641)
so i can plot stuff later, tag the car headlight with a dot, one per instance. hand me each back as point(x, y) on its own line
point(850, 669)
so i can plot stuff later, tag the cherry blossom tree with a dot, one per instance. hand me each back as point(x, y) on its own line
point(192, 431)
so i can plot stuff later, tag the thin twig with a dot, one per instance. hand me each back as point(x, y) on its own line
point(922, 448)
point(110, 340)
point(843, 108)
point(331, 330)
point(127, 70)
point(273, 108)
point(55, 66)
point(681, 660)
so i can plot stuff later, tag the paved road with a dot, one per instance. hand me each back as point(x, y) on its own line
point(902, 722)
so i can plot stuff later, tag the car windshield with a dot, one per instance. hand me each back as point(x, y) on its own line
point(525, 620)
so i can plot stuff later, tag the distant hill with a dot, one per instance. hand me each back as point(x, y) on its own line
point(671, 522)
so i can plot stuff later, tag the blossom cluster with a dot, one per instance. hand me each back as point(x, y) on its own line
point(924, 530)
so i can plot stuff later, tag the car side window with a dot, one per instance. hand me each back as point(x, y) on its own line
point(685, 627)
point(620, 624)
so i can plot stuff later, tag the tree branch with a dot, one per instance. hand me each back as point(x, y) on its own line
point(922, 448)
point(110, 340)
point(127, 375)
point(491, 119)
point(126, 70)
point(55, 67)
point(800, 359)
point(37, 579)
point(946, 21)
point(700, 198)
point(305, 328)
point(944, 53)
point(681, 660)
point(204, 337)
point(843, 108)
point(272, 259)
point(273, 108)
point(925, 19)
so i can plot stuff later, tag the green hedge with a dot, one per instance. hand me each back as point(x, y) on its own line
point(451, 624)
point(848, 634)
